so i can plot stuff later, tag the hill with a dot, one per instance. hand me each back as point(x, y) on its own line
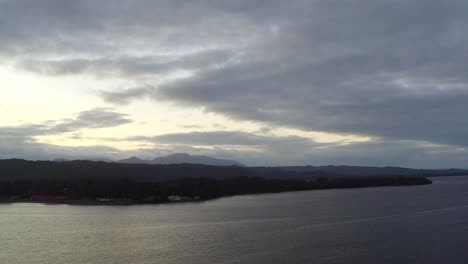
point(364, 171)
point(109, 183)
point(13, 169)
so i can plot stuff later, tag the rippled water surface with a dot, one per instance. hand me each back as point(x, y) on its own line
point(414, 224)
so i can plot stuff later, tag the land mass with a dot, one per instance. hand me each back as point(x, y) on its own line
point(109, 183)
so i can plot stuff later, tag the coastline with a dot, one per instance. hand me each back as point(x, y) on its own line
point(185, 199)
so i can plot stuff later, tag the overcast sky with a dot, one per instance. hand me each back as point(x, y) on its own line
point(313, 82)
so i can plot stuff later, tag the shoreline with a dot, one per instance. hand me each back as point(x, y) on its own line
point(127, 202)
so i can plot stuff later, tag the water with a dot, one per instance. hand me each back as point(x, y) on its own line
point(414, 224)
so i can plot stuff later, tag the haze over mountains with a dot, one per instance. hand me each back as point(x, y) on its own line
point(285, 171)
point(179, 158)
point(329, 170)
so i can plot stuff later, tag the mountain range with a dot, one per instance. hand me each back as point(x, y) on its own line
point(291, 171)
point(180, 158)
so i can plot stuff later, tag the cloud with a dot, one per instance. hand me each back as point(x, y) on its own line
point(223, 138)
point(23, 130)
point(252, 149)
point(28, 148)
point(125, 96)
point(129, 66)
point(392, 70)
point(190, 126)
point(90, 119)
point(20, 141)
point(260, 150)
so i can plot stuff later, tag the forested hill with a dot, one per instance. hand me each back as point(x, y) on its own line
point(104, 182)
point(13, 169)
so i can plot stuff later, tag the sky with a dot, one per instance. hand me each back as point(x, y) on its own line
point(266, 83)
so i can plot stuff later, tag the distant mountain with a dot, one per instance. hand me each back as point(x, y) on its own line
point(134, 160)
point(100, 159)
point(330, 171)
point(90, 159)
point(180, 158)
point(186, 158)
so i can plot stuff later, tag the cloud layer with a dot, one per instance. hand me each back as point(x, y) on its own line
point(21, 141)
point(391, 70)
point(90, 119)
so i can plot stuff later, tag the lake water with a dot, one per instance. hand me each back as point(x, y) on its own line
point(414, 224)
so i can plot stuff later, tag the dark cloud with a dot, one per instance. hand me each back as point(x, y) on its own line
point(132, 36)
point(125, 96)
point(129, 66)
point(394, 70)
